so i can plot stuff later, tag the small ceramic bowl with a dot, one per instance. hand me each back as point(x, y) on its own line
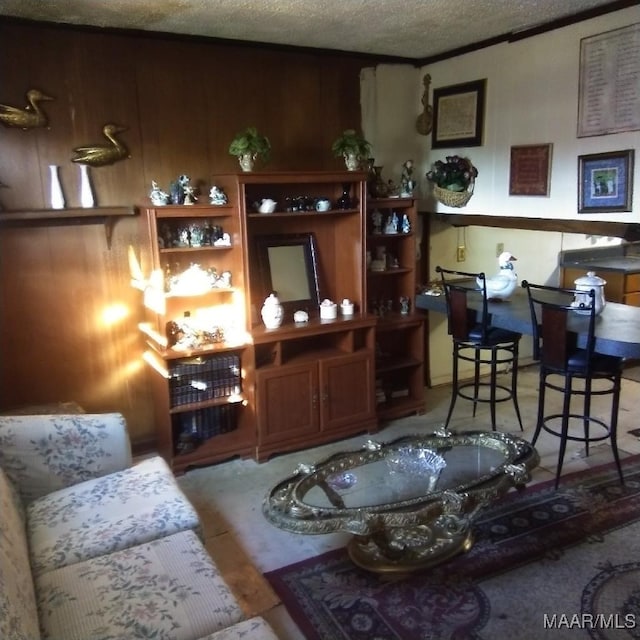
point(347, 308)
point(328, 311)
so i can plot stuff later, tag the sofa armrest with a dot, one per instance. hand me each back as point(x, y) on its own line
point(44, 453)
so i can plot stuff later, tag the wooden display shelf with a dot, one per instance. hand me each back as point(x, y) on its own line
point(208, 247)
point(218, 448)
point(106, 216)
point(399, 407)
point(391, 271)
point(205, 404)
point(158, 343)
point(386, 365)
point(192, 210)
point(303, 214)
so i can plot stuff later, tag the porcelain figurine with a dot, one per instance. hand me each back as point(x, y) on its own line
point(157, 195)
point(391, 225)
point(407, 183)
point(189, 195)
point(504, 283)
point(217, 196)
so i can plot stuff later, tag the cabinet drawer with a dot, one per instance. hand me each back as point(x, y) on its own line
point(632, 283)
point(632, 299)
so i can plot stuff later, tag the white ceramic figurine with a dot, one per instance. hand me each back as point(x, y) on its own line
point(504, 283)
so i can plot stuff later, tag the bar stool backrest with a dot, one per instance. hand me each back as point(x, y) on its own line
point(553, 341)
point(463, 319)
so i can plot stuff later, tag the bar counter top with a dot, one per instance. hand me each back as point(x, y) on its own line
point(617, 327)
point(623, 258)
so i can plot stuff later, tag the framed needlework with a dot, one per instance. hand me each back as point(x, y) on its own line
point(458, 115)
point(530, 170)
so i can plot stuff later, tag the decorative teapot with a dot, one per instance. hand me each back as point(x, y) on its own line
point(586, 283)
point(267, 205)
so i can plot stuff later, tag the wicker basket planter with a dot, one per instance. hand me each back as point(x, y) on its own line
point(455, 199)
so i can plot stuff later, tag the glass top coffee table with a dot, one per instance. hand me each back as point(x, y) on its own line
point(409, 503)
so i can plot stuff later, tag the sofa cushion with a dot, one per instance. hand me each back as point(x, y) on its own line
point(18, 612)
point(253, 629)
point(167, 589)
point(106, 514)
point(42, 453)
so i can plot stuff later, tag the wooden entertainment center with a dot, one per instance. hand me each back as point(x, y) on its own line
point(304, 383)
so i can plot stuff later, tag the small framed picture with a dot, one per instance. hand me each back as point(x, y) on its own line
point(605, 181)
point(530, 170)
point(458, 115)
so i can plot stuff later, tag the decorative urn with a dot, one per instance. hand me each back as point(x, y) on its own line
point(272, 312)
point(586, 283)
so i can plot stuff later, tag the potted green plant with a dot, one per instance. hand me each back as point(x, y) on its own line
point(453, 180)
point(248, 146)
point(352, 147)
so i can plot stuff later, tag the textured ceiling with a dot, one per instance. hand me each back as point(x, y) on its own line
point(401, 28)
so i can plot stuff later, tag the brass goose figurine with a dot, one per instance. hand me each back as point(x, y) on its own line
point(100, 155)
point(30, 117)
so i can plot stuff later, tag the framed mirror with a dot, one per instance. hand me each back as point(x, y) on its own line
point(288, 266)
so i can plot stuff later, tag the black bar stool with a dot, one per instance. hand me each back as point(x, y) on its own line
point(553, 310)
point(476, 341)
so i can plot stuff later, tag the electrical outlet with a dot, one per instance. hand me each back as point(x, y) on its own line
point(462, 254)
point(499, 249)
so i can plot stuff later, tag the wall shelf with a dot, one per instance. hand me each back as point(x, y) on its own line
point(106, 216)
point(629, 231)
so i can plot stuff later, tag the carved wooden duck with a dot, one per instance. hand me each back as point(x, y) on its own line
point(30, 117)
point(504, 283)
point(101, 155)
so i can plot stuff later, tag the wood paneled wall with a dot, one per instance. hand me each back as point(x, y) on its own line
point(68, 315)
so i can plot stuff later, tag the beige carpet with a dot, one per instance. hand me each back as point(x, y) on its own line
point(632, 373)
point(252, 591)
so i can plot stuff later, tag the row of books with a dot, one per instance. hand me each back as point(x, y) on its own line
point(204, 378)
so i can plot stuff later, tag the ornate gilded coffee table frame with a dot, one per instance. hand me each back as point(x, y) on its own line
point(407, 534)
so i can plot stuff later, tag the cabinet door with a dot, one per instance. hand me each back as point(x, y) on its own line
point(346, 389)
point(287, 403)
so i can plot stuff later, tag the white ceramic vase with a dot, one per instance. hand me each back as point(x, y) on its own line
point(56, 195)
point(272, 312)
point(246, 161)
point(351, 161)
point(86, 193)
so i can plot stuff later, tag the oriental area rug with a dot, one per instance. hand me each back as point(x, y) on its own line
point(546, 563)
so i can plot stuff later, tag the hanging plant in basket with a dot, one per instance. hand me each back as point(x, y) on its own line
point(453, 180)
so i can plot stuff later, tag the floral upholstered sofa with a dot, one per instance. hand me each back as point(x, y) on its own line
point(93, 547)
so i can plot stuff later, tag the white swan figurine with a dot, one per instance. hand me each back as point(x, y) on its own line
point(504, 283)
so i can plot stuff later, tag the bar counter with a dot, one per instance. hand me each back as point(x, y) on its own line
point(617, 327)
